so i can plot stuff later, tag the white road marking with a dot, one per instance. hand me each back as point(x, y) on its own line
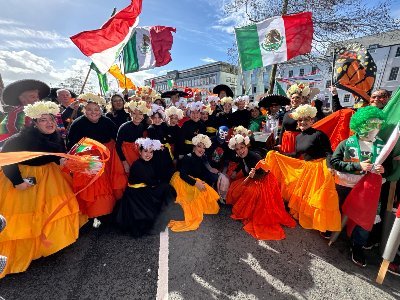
point(162, 284)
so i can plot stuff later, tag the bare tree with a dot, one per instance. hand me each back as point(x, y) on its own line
point(334, 20)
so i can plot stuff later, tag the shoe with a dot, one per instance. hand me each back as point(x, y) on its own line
point(394, 269)
point(370, 246)
point(3, 263)
point(326, 235)
point(3, 223)
point(358, 257)
point(96, 223)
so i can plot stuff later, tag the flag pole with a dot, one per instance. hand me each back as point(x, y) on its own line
point(275, 66)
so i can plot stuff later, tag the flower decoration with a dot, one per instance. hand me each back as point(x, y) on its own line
point(155, 108)
point(228, 100)
point(212, 98)
point(174, 111)
point(299, 88)
point(90, 97)
point(252, 105)
point(140, 106)
point(304, 111)
point(195, 106)
point(206, 108)
point(245, 99)
point(145, 91)
point(238, 139)
point(202, 138)
point(149, 144)
point(241, 130)
point(36, 110)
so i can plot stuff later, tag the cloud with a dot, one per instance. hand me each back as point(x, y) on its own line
point(208, 60)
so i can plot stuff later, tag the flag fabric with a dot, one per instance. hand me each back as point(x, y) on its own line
point(103, 82)
point(104, 45)
point(170, 83)
point(279, 89)
point(354, 70)
point(148, 48)
point(274, 40)
point(123, 81)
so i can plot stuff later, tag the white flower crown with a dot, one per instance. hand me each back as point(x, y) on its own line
point(195, 106)
point(212, 98)
point(304, 111)
point(201, 138)
point(36, 110)
point(174, 111)
point(140, 106)
point(238, 139)
point(149, 144)
point(155, 108)
point(241, 130)
point(299, 88)
point(226, 100)
point(90, 97)
point(147, 91)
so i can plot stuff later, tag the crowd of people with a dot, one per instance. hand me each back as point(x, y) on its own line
point(169, 162)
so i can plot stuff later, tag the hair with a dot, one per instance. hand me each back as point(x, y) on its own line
point(385, 92)
point(163, 104)
point(159, 115)
point(364, 114)
point(62, 90)
point(110, 107)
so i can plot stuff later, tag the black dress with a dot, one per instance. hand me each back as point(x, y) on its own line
point(189, 130)
point(173, 136)
point(119, 117)
point(128, 132)
point(241, 118)
point(288, 124)
point(143, 200)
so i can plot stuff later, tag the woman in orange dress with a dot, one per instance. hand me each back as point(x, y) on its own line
point(257, 199)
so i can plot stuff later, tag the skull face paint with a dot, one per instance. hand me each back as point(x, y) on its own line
point(222, 133)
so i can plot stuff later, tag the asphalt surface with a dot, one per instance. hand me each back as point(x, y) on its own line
point(217, 261)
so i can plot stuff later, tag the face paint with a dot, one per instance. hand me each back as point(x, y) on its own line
point(368, 126)
point(222, 133)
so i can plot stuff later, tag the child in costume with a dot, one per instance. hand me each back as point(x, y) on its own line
point(173, 116)
point(242, 116)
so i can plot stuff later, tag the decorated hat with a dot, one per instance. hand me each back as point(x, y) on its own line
point(304, 111)
point(36, 110)
point(148, 144)
point(207, 109)
point(140, 106)
point(212, 98)
point(245, 99)
point(238, 139)
point(223, 87)
point(201, 138)
point(155, 108)
point(303, 89)
point(15, 89)
point(169, 94)
point(271, 100)
point(226, 100)
point(193, 106)
point(147, 91)
point(92, 98)
point(174, 111)
point(241, 130)
point(366, 118)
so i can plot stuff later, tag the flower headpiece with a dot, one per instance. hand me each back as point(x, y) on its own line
point(147, 91)
point(304, 111)
point(212, 98)
point(206, 108)
point(252, 105)
point(195, 106)
point(140, 106)
point(155, 108)
point(90, 97)
point(226, 100)
point(367, 118)
point(172, 110)
point(182, 103)
point(245, 98)
point(149, 144)
point(36, 110)
point(299, 88)
point(238, 139)
point(241, 130)
point(202, 138)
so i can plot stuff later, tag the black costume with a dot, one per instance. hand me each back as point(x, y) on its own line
point(128, 132)
point(241, 118)
point(224, 119)
point(173, 137)
point(119, 117)
point(189, 130)
point(219, 155)
point(67, 114)
point(288, 124)
point(193, 166)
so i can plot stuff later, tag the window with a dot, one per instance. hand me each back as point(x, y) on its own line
point(326, 101)
point(301, 73)
point(328, 84)
point(393, 73)
point(330, 69)
point(254, 89)
point(314, 70)
point(397, 52)
point(346, 98)
point(290, 73)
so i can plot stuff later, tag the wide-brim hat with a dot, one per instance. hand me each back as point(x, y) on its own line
point(271, 100)
point(223, 87)
point(15, 89)
point(53, 93)
point(169, 94)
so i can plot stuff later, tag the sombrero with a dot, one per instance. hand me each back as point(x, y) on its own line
point(270, 100)
point(169, 94)
point(223, 87)
point(15, 89)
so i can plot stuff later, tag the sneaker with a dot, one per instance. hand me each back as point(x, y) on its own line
point(326, 235)
point(370, 246)
point(3, 223)
point(358, 257)
point(3, 263)
point(96, 223)
point(394, 269)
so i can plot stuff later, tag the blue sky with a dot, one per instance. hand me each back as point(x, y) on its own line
point(34, 34)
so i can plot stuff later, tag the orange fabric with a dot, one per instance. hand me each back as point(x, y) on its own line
point(123, 81)
point(131, 152)
point(336, 126)
point(259, 204)
point(116, 172)
point(309, 188)
point(288, 144)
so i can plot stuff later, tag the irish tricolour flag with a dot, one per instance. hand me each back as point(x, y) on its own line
point(104, 45)
point(274, 40)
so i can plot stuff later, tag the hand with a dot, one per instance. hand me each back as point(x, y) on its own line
point(233, 175)
point(74, 105)
point(378, 169)
point(200, 185)
point(366, 166)
point(126, 166)
point(333, 90)
point(252, 173)
point(23, 186)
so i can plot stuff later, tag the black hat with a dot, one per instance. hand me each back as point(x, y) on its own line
point(53, 93)
point(271, 100)
point(15, 89)
point(223, 87)
point(169, 94)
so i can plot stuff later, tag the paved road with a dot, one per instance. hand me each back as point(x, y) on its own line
point(218, 261)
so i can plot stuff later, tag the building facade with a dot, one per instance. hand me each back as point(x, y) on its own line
point(204, 77)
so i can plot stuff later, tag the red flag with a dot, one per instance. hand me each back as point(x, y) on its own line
point(189, 91)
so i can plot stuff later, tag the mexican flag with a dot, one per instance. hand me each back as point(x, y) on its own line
point(148, 48)
point(104, 45)
point(274, 40)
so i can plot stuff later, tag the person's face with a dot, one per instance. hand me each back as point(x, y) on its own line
point(195, 115)
point(255, 113)
point(46, 124)
point(146, 154)
point(93, 112)
point(173, 120)
point(197, 97)
point(174, 98)
point(295, 100)
point(64, 97)
point(379, 99)
point(157, 120)
point(204, 116)
point(241, 150)
point(274, 109)
point(227, 107)
point(29, 97)
point(136, 116)
point(213, 105)
point(199, 149)
point(117, 103)
point(241, 105)
point(222, 94)
point(158, 102)
point(304, 123)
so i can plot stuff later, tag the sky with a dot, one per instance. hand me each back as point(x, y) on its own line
point(34, 34)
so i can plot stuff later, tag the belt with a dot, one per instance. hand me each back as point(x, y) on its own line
point(169, 149)
point(211, 130)
point(187, 142)
point(137, 185)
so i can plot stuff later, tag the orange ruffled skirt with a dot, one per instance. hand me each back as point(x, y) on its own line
point(27, 211)
point(194, 203)
point(99, 198)
point(259, 204)
point(309, 187)
point(288, 144)
point(131, 152)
